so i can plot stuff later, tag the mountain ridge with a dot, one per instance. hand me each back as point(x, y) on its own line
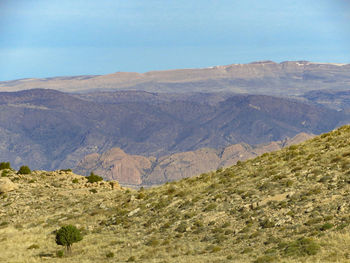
point(50, 129)
point(289, 78)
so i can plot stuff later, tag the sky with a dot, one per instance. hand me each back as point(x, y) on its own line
point(46, 38)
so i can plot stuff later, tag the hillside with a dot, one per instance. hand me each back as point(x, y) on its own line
point(291, 205)
point(136, 170)
point(265, 77)
point(50, 130)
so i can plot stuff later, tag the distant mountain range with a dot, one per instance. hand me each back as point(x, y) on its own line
point(167, 114)
point(266, 77)
point(48, 129)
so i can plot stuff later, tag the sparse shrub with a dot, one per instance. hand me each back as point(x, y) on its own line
point(131, 259)
point(24, 170)
point(267, 224)
point(210, 207)
point(215, 249)
point(94, 191)
point(171, 190)
point(34, 246)
point(226, 224)
point(59, 253)
point(66, 170)
point(75, 181)
point(140, 195)
point(5, 165)
point(328, 217)
point(92, 178)
point(336, 159)
point(67, 235)
point(181, 228)
point(301, 247)
point(152, 242)
point(266, 259)
point(326, 226)
point(3, 224)
point(313, 221)
point(4, 173)
point(110, 255)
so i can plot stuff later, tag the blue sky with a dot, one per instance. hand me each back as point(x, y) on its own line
point(43, 38)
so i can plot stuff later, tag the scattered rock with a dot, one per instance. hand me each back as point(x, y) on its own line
point(133, 212)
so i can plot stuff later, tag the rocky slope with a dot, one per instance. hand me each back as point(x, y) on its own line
point(266, 77)
point(134, 170)
point(48, 129)
point(291, 205)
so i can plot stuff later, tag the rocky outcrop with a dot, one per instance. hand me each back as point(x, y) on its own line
point(6, 185)
point(115, 164)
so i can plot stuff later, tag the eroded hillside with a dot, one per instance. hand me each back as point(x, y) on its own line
point(287, 206)
point(137, 171)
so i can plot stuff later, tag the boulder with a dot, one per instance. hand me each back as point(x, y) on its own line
point(6, 185)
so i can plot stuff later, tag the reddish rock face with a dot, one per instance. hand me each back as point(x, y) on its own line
point(137, 170)
point(115, 164)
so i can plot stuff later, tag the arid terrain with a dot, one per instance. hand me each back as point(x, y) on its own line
point(291, 205)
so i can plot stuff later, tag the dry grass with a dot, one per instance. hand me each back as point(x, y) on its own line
point(288, 206)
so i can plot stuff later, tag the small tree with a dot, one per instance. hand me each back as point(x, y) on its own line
point(67, 235)
point(92, 178)
point(24, 170)
point(5, 165)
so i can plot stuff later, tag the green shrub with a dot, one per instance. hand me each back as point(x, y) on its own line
point(92, 178)
point(5, 165)
point(153, 242)
point(326, 226)
point(301, 247)
point(215, 249)
point(4, 173)
point(131, 259)
point(66, 170)
point(59, 253)
point(267, 224)
point(181, 228)
point(67, 235)
point(210, 207)
point(75, 181)
point(110, 255)
point(266, 259)
point(24, 170)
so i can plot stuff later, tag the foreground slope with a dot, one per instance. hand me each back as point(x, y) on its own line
point(287, 206)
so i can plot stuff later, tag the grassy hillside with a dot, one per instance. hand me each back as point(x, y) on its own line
point(286, 206)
